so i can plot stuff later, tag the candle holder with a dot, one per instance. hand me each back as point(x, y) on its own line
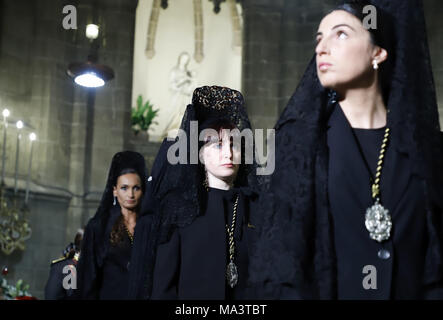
point(14, 225)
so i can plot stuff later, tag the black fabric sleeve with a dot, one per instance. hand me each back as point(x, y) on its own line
point(54, 286)
point(167, 269)
point(87, 286)
point(143, 258)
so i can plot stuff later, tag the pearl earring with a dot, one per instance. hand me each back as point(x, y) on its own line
point(115, 201)
point(375, 64)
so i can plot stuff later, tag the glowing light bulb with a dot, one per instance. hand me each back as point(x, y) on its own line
point(92, 31)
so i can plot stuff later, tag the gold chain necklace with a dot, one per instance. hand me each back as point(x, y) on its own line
point(377, 219)
point(131, 237)
point(231, 269)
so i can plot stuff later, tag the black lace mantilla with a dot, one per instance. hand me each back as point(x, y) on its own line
point(96, 242)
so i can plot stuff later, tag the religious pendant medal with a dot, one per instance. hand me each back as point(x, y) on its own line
point(231, 269)
point(378, 222)
point(231, 274)
point(377, 219)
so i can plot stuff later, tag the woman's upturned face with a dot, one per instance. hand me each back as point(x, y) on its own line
point(344, 51)
point(128, 191)
point(221, 156)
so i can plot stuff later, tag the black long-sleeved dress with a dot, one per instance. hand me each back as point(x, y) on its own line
point(399, 262)
point(192, 264)
point(114, 275)
point(103, 273)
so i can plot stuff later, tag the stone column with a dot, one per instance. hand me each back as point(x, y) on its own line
point(434, 22)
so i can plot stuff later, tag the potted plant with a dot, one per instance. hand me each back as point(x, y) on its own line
point(143, 115)
point(17, 292)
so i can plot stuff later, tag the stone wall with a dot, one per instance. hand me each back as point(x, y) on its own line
point(434, 23)
point(76, 138)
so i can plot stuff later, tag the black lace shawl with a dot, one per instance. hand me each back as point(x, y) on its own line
point(147, 230)
point(96, 239)
point(294, 258)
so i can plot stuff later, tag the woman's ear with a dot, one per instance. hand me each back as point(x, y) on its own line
point(114, 191)
point(380, 55)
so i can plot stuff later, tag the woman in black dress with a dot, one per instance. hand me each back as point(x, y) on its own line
point(201, 251)
point(356, 207)
point(106, 249)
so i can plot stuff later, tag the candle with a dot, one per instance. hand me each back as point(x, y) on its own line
point(5, 126)
point(17, 153)
point(32, 137)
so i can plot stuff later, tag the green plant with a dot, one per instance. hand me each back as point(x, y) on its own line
point(10, 292)
point(143, 115)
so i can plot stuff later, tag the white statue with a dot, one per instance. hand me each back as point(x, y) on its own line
point(181, 85)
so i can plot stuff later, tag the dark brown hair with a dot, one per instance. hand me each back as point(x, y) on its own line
point(382, 36)
point(118, 232)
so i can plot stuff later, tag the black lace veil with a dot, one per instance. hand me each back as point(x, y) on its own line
point(95, 242)
point(182, 192)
